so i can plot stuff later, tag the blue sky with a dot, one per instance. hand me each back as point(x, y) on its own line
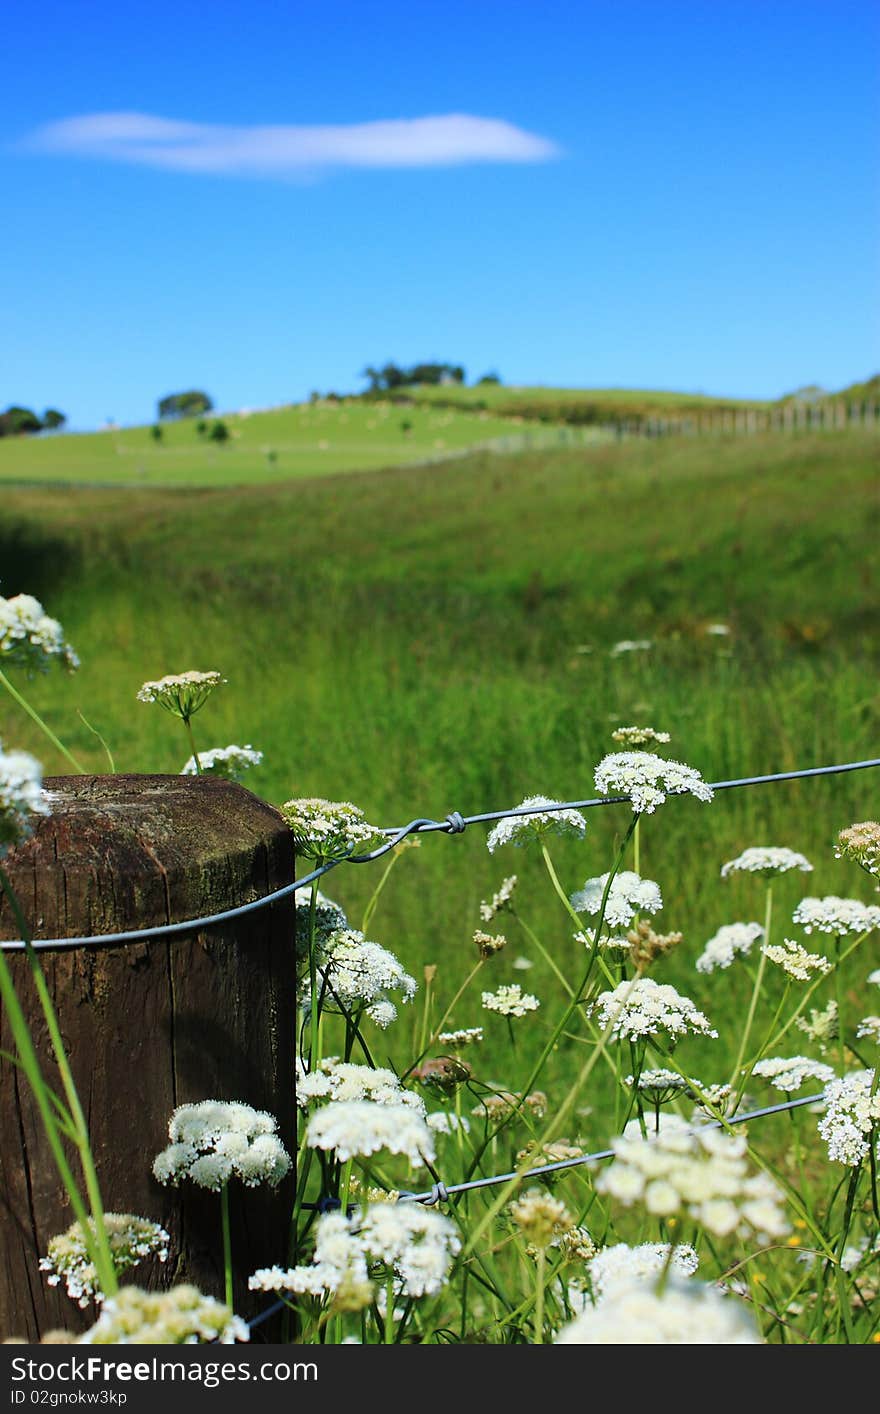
point(668, 195)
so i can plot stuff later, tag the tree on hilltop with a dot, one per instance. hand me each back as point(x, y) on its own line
point(193, 403)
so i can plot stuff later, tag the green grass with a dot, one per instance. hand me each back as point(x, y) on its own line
point(274, 447)
point(426, 639)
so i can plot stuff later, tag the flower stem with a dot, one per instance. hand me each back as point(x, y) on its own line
point(227, 1245)
point(192, 745)
point(753, 1005)
point(539, 1296)
point(44, 727)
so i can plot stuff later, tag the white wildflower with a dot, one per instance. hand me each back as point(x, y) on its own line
point(648, 779)
point(723, 946)
point(643, 1007)
point(510, 1001)
point(791, 1072)
point(358, 1128)
point(358, 975)
point(621, 1263)
point(639, 736)
point(861, 844)
point(874, 977)
point(499, 900)
point(869, 1029)
point(21, 796)
point(701, 1173)
point(794, 959)
point(344, 1080)
point(468, 1036)
point(29, 638)
point(836, 915)
point(821, 1026)
point(630, 645)
point(445, 1122)
point(629, 894)
point(852, 1114)
point(417, 1242)
point(182, 694)
point(228, 762)
point(660, 1085)
point(217, 1140)
point(338, 1259)
point(540, 1217)
point(717, 630)
point(547, 817)
point(767, 860)
point(130, 1239)
point(684, 1313)
point(326, 829)
point(181, 1316)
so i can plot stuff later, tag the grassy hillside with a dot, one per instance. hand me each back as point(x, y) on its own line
point(423, 640)
point(584, 405)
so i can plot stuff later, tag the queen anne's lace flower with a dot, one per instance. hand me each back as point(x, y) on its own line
point(648, 779)
point(445, 1122)
point(181, 1316)
point(767, 860)
point(499, 900)
point(639, 736)
point(630, 645)
point(417, 1242)
point(228, 762)
point(326, 829)
point(217, 1140)
point(29, 638)
point(852, 1113)
point(836, 915)
point(790, 1073)
point(338, 1259)
point(861, 843)
point(723, 946)
point(629, 894)
point(358, 1128)
point(540, 1217)
point(620, 1263)
point(181, 694)
point(685, 1313)
point(821, 1026)
point(344, 1080)
point(659, 1086)
point(701, 1173)
point(643, 1007)
point(874, 977)
point(547, 817)
point(868, 1029)
point(510, 1001)
point(21, 796)
point(359, 974)
point(469, 1036)
point(130, 1239)
point(794, 959)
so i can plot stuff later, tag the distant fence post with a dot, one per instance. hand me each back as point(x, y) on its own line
point(148, 1025)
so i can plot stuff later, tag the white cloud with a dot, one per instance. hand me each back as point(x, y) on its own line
point(447, 140)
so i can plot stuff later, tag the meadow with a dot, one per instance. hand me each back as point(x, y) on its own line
point(461, 636)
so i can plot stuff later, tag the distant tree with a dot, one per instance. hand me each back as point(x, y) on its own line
point(219, 432)
point(156, 432)
point(201, 427)
point(53, 419)
point(190, 404)
point(406, 427)
point(488, 378)
point(390, 377)
point(16, 421)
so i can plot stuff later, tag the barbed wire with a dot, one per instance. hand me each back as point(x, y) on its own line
point(453, 824)
point(441, 1192)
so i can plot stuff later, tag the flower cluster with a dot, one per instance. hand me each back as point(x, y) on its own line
point(21, 796)
point(546, 817)
point(620, 1263)
point(791, 1072)
point(794, 959)
point(639, 736)
point(698, 1172)
point(181, 1316)
point(499, 900)
point(501, 1104)
point(767, 860)
point(643, 1007)
point(338, 1263)
point(646, 945)
point(540, 1217)
point(861, 844)
point(510, 1001)
point(684, 1313)
point(647, 779)
point(358, 975)
point(661, 1085)
point(358, 1128)
point(130, 1239)
point(628, 895)
point(822, 1026)
point(29, 638)
point(230, 763)
point(216, 1140)
point(181, 694)
point(851, 1117)
point(868, 1029)
point(326, 829)
point(723, 946)
point(344, 1080)
point(630, 645)
point(468, 1036)
point(487, 944)
point(836, 915)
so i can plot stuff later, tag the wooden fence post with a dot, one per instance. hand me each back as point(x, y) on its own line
point(148, 1025)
